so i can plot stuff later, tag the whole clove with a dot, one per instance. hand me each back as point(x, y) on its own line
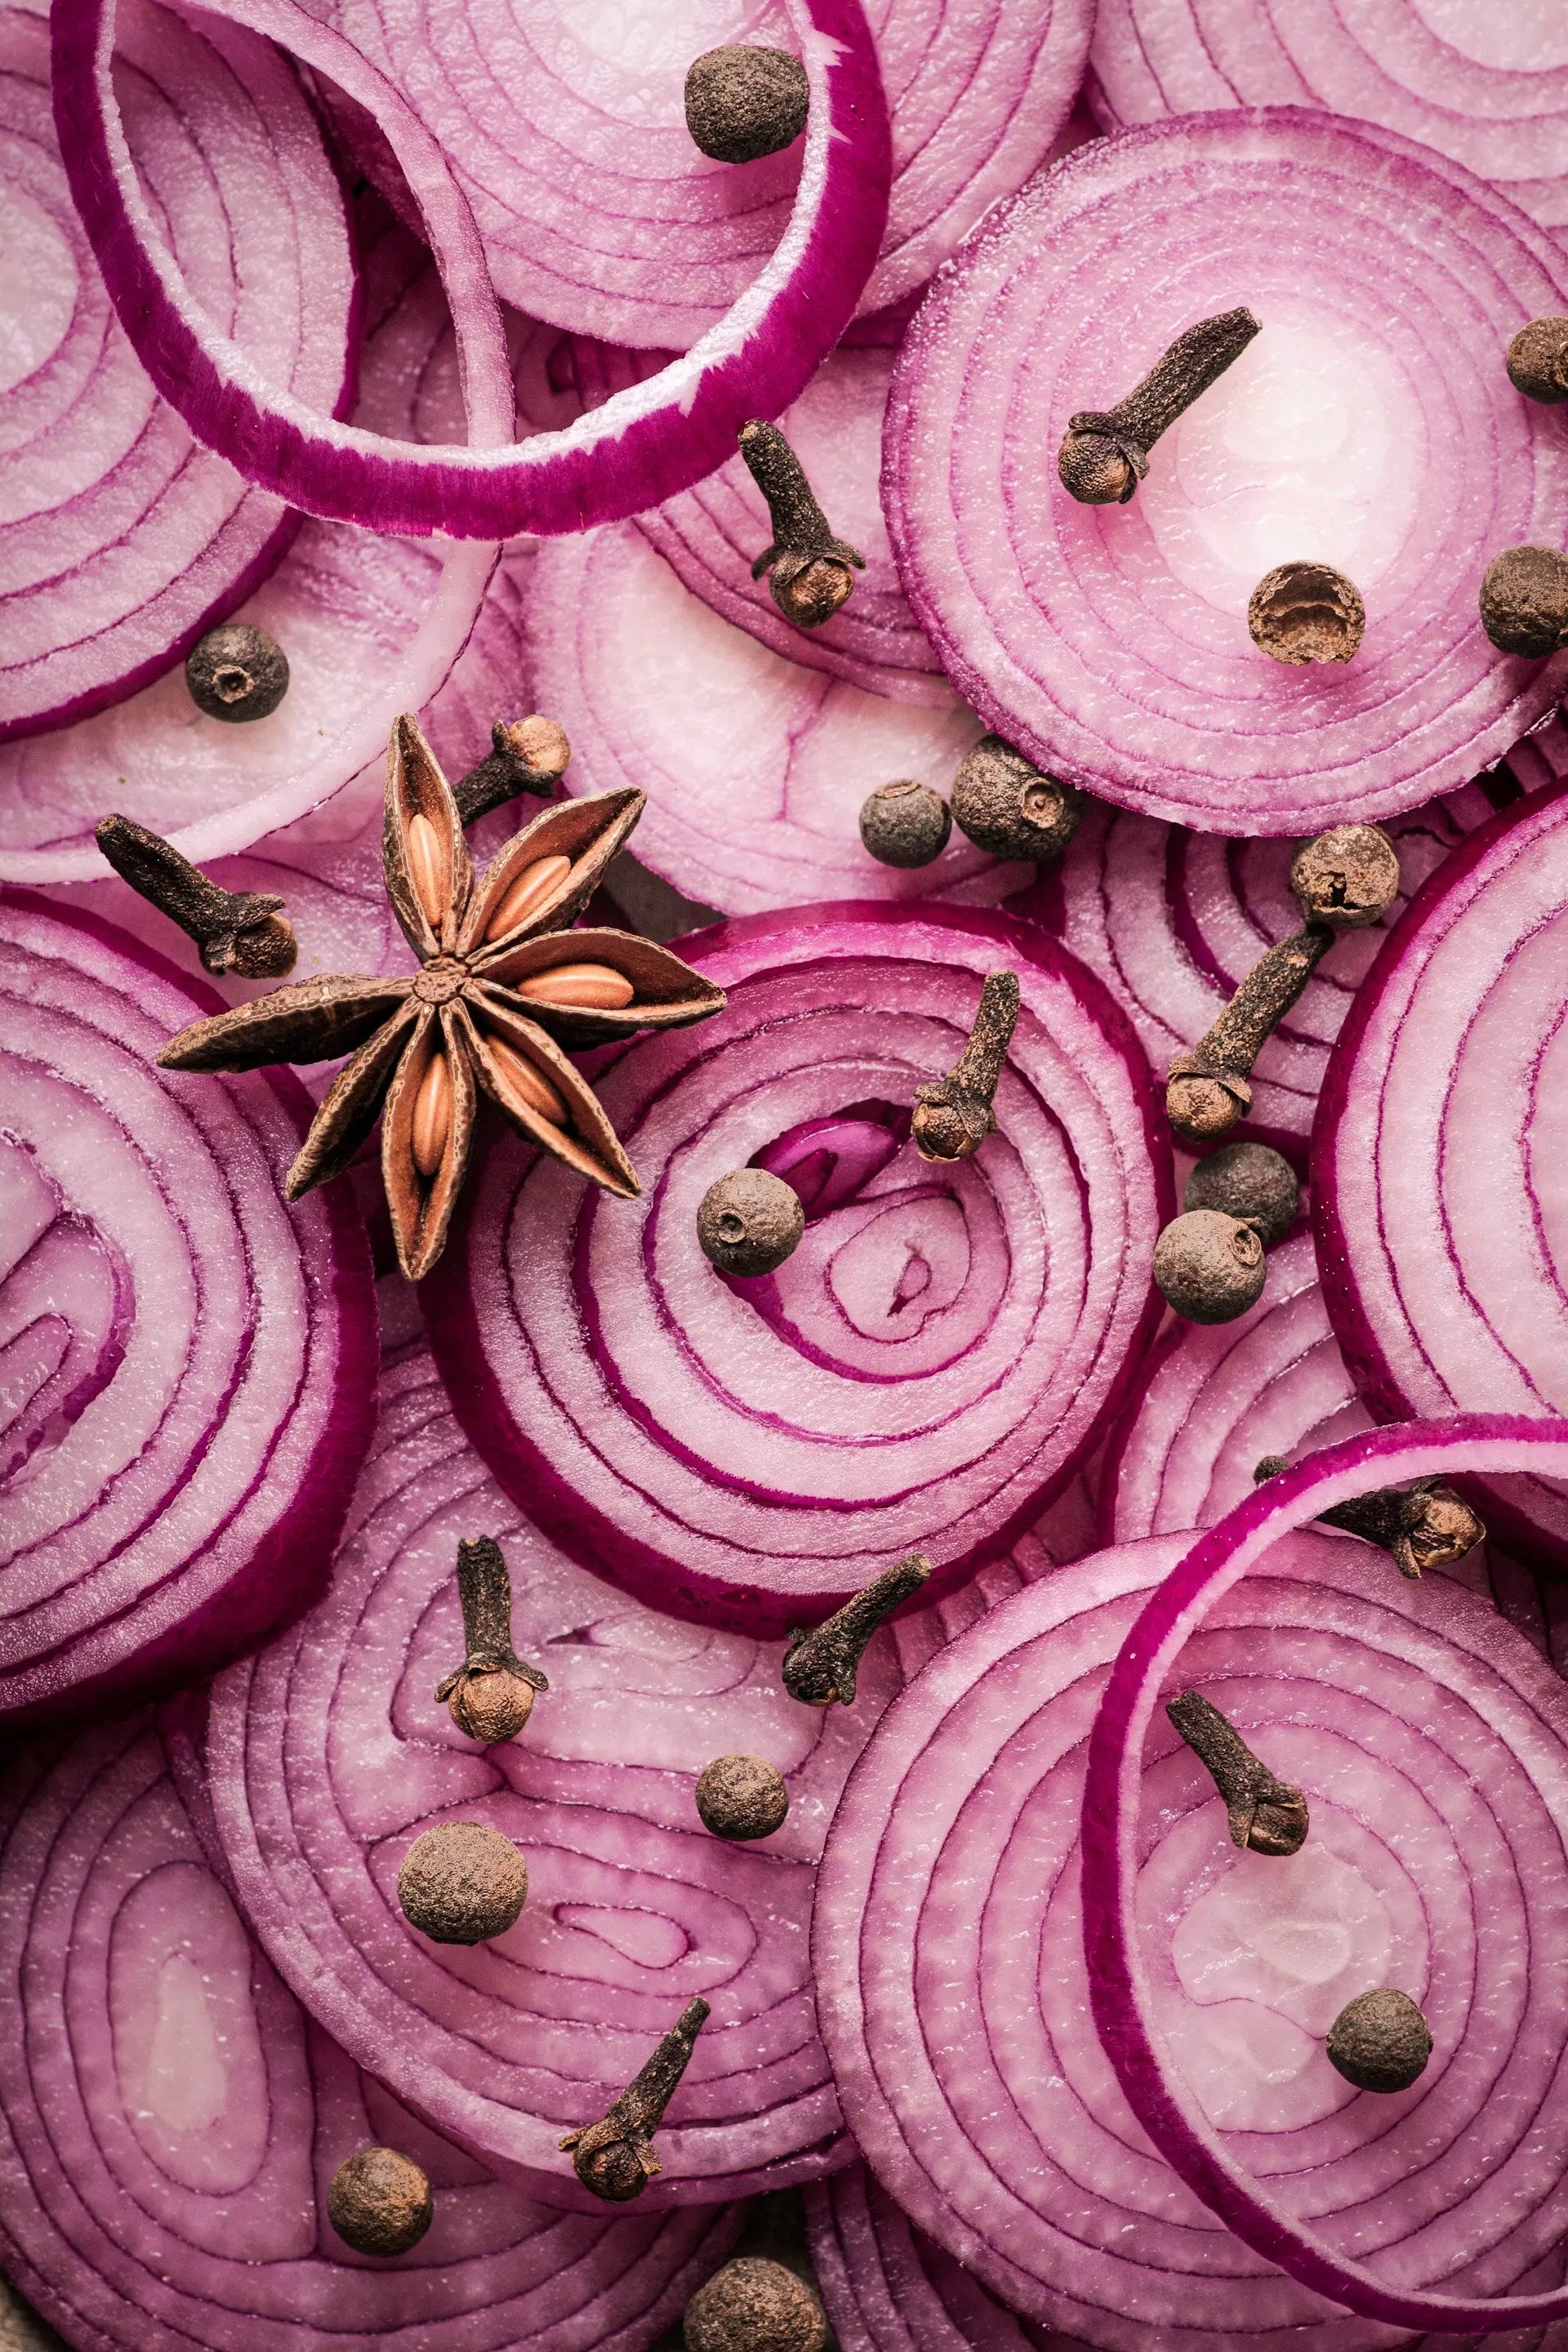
point(241, 931)
point(1538, 360)
point(749, 1222)
point(954, 1116)
point(812, 575)
point(379, 2202)
point(1426, 1524)
point(1302, 613)
point(742, 103)
point(490, 1697)
point(1267, 1816)
point(820, 1667)
point(905, 823)
point(1524, 602)
point(1009, 807)
point(237, 673)
point(526, 755)
point(1380, 2041)
point(1105, 454)
point(615, 2157)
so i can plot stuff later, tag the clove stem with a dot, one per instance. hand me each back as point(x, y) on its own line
point(1426, 1524)
point(1105, 454)
point(820, 1667)
point(1207, 1089)
point(240, 932)
point(811, 571)
point(1266, 1815)
point(526, 755)
point(615, 2157)
point(954, 1114)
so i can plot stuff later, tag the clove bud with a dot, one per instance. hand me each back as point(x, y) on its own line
point(1426, 1524)
point(1266, 1815)
point(812, 573)
point(1105, 455)
point(615, 2157)
point(526, 755)
point(1380, 2041)
point(820, 1667)
point(954, 1114)
point(240, 932)
point(490, 1697)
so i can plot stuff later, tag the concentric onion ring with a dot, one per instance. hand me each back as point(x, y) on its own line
point(887, 2288)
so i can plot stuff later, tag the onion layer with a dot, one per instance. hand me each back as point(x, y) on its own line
point(1370, 426)
point(1437, 1158)
point(887, 2288)
point(929, 1366)
point(189, 1364)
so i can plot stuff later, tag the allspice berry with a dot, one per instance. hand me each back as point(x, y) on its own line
point(754, 2305)
point(1524, 602)
point(1210, 1267)
point(462, 1882)
point(1380, 2041)
point(1347, 877)
point(1248, 1180)
point(905, 822)
point(1009, 808)
point(1538, 360)
point(741, 103)
point(741, 1797)
point(1302, 613)
point(380, 2202)
point(749, 1222)
point(236, 672)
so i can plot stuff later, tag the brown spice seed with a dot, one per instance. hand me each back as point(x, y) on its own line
point(741, 1797)
point(1524, 602)
point(754, 2305)
point(591, 987)
point(428, 868)
point(1347, 877)
point(1380, 2041)
point(529, 1083)
point(1538, 360)
point(432, 1126)
point(1249, 1181)
point(532, 887)
point(1302, 613)
point(462, 1882)
point(742, 103)
point(380, 2202)
point(1209, 1267)
point(749, 1222)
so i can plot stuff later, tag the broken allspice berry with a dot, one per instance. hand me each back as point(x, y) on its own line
point(236, 672)
point(1524, 602)
point(241, 931)
point(615, 2157)
point(1249, 1181)
point(755, 2305)
point(1266, 1815)
point(490, 1697)
point(1538, 360)
point(1105, 454)
point(820, 1667)
point(1302, 613)
point(742, 103)
point(749, 1222)
point(526, 755)
point(812, 575)
point(741, 1798)
point(1009, 808)
point(954, 1116)
point(1426, 1524)
point(1347, 877)
point(1380, 2041)
point(379, 2202)
point(905, 822)
point(462, 1882)
point(1209, 1267)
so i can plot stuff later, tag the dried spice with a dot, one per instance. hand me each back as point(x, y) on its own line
point(954, 1114)
point(237, 673)
point(1347, 877)
point(1209, 1267)
point(1425, 1525)
point(1538, 360)
point(240, 931)
point(1105, 454)
point(1380, 2041)
point(490, 1697)
point(741, 1797)
point(462, 1882)
point(749, 1222)
point(503, 985)
point(1249, 1181)
point(812, 575)
point(820, 1667)
point(1302, 613)
point(379, 2202)
point(1266, 1815)
point(905, 823)
point(615, 2157)
point(1524, 602)
point(755, 2305)
point(526, 755)
point(743, 103)
point(1009, 808)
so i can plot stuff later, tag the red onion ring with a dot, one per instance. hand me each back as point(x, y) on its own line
point(641, 446)
point(170, 2119)
point(1111, 643)
point(749, 1457)
point(1460, 2182)
point(190, 1364)
point(1436, 1158)
point(1487, 88)
point(119, 541)
point(758, 807)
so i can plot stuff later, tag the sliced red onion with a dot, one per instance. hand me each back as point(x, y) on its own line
point(189, 1363)
point(643, 445)
point(1437, 1157)
point(1370, 426)
point(928, 1368)
point(1173, 921)
point(887, 2288)
point(119, 540)
point(755, 766)
point(1423, 1729)
point(170, 2120)
point(952, 1982)
point(1487, 86)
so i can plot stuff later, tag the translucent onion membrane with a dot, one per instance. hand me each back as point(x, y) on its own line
point(120, 540)
point(1432, 1742)
point(1371, 425)
point(755, 767)
point(1173, 921)
point(1439, 1202)
point(189, 1364)
point(371, 627)
point(329, 1754)
point(1487, 86)
point(643, 445)
point(955, 2001)
point(170, 2121)
point(934, 1360)
point(597, 210)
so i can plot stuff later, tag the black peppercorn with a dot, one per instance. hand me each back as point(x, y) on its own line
point(741, 1797)
point(1009, 808)
point(741, 103)
point(380, 2202)
point(905, 822)
point(1538, 360)
point(754, 2305)
point(1251, 1181)
point(749, 1222)
point(1524, 602)
point(462, 1882)
point(236, 672)
point(1210, 1267)
point(1380, 2041)
point(1305, 613)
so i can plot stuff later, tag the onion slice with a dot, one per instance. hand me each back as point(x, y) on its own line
point(1371, 425)
point(887, 2288)
point(1478, 2182)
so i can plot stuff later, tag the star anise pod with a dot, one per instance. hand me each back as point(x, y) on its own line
point(502, 980)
